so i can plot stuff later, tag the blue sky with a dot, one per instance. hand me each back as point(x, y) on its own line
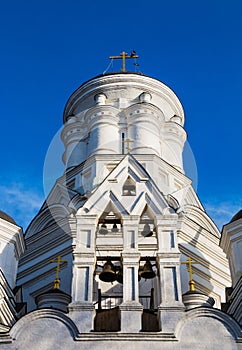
point(49, 48)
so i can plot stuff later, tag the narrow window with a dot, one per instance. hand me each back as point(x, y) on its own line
point(132, 284)
point(122, 143)
point(175, 283)
point(86, 284)
point(172, 240)
point(132, 239)
point(88, 239)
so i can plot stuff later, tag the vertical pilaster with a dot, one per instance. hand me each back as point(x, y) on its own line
point(130, 233)
point(171, 306)
point(82, 310)
point(131, 309)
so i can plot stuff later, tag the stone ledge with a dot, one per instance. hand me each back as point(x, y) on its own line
point(81, 307)
point(131, 306)
point(118, 336)
point(175, 308)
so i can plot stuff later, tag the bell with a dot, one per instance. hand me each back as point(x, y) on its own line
point(108, 273)
point(147, 271)
point(103, 229)
point(147, 231)
point(115, 228)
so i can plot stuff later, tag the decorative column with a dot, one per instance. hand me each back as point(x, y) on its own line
point(103, 125)
point(82, 310)
point(174, 137)
point(74, 137)
point(143, 128)
point(171, 307)
point(131, 309)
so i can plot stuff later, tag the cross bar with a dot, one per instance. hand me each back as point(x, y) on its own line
point(123, 56)
point(128, 144)
point(58, 260)
point(189, 264)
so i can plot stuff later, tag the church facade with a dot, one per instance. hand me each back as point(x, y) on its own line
point(121, 253)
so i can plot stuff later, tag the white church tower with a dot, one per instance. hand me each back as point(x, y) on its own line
point(124, 219)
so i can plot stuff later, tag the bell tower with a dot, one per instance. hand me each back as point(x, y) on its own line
point(124, 215)
point(120, 130)
point(124, 137)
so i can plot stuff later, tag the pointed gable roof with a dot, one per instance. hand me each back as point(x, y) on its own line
point(109, 192)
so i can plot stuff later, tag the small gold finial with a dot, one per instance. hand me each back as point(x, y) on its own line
point(57, 270)
point(123, 56)
point(128, 144)
point(189, 264)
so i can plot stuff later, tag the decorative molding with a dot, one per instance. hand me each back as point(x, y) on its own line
point(219, 315)
point(43, 314)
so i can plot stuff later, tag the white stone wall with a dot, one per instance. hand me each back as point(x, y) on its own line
point(198, 329)
point(99, 117)
point(11, 247)
point(101, 114)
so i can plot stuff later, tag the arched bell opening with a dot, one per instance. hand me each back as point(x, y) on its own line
point(150, 321)
point(147, 227)
point(129, 187)
point(109, 279)
point(109, 222)
point(109, 226)
point(148, 294)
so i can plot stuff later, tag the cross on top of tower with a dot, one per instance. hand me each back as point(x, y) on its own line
point(57, 270)
point(189, 264)
point(128, 141)
point(123, 56)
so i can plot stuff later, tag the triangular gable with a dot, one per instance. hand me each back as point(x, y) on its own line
point(99, 206)
point(135, 169)
point(113, 207)
point(110, 191)
point(143, 201)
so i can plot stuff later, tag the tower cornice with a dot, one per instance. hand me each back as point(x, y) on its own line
point(104, 84)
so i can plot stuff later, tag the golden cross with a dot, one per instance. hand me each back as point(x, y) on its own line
point(57, 270)
point(123, 55)
point(128, 144)
point(189, 264)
